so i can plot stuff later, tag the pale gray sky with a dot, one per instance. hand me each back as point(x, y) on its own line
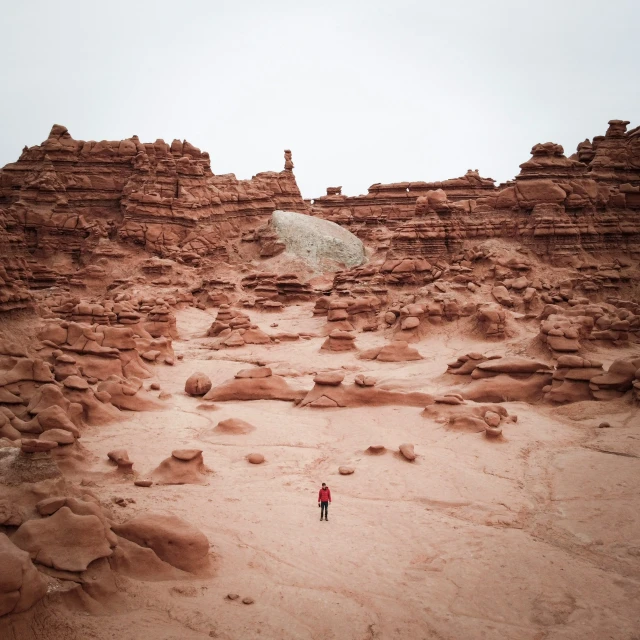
point(362, 91)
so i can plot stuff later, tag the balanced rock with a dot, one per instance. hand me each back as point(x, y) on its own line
point(492, 419)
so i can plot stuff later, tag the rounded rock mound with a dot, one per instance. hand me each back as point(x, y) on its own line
point(321, 244)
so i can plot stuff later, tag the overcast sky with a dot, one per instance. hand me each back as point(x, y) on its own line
point(362, 91)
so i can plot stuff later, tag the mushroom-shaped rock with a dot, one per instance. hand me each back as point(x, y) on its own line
point(173, 540)
point(407, 451)
point(255, 458)
point(185, 466)
point(121, 458)
point(339, 341)
point(345, 471)
point(65, 540)
point(21, 584)
point(197, 384)
point(329, 378)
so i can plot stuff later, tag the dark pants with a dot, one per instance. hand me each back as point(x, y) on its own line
point(324, 509)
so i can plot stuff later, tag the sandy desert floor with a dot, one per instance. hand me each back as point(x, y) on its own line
point(533, 537)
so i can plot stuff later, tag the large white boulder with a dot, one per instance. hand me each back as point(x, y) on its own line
point(323, 245)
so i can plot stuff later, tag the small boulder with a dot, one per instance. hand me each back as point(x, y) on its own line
point(197, 384)
point(365, 381)
point(121, 458)
point(345, 471)
point(407, 451)
point(255, 458)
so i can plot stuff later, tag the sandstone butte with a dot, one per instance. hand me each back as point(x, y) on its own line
point(162, 327)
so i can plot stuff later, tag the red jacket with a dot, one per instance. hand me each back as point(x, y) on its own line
point(324, 495)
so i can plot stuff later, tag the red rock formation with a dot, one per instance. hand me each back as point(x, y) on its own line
point(556, 204)
point(65, 195)
point(392, 203)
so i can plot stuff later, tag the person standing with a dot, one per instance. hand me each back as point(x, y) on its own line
point(324, 498)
